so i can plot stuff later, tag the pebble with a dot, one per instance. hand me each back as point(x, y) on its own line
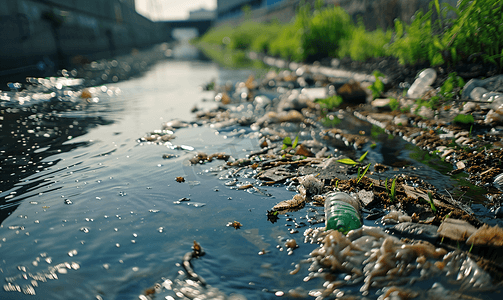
point(416, 231)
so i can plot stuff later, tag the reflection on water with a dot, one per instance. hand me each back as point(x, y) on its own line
point(88, 211)
point(183, 50)
point(37, 123)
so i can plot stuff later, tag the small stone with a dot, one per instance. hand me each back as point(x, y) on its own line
point(381, 103)
point(416, 231)
point(366, 197)
point(460, 165)
point(457, 230)
point(401, 119)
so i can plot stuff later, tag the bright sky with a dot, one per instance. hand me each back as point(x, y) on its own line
point(171, 9)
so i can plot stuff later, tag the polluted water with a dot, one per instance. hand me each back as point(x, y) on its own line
point(116, 190)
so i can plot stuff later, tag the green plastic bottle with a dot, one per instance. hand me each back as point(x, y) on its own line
point(342, 212)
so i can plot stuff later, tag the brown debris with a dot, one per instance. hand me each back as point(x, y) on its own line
point(303, 151)
point(487, 236)
point(234, 224)
point(456, 230)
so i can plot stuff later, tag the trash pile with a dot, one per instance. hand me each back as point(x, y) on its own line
point(304, 117)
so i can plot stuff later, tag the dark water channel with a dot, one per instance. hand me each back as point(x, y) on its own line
point(89, 212)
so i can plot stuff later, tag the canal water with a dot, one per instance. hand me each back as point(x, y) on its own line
point(90, 211)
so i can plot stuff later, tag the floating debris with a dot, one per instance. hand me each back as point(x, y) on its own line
point(234, 224)
point(373, 258)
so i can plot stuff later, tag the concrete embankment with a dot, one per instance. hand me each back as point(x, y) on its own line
point(41, 36)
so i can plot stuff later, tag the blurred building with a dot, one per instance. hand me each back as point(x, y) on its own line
point(44, 34)
point(202, 14)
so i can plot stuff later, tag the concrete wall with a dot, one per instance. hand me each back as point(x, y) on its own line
point(34, 33)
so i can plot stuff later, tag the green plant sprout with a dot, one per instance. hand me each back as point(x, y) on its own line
point(453, 81)
point(363, 174)
point(363, 156)
point(464, 119)
point(347, 161)
point(392, 193)
point(377, 86)
point(295, 141)
point(394, 104)
point(432, 205)
point(287, 142)
point(329, 103)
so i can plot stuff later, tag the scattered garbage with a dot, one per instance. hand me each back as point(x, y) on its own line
point(342, 212)
point(423, 82)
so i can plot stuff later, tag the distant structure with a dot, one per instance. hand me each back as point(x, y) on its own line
point(40, 35)
point(202, 14)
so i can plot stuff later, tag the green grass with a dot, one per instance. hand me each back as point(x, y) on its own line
point(392, 191)
point(328, 31)
point(464, 119)
point(360, 176)
point(377, 86)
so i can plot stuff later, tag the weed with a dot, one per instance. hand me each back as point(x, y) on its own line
point(412, 43)
point(377, 86)
point(363, 156)
point(330, 32)
point(452, 82)
point(362, 44)
point(324, 31)
point(363, 174)
point(347, 161)
point(432, 205)
point(287, 142)
point(464, 119)
point(392, 191)
point(329, 103)
point(394, 104)
point(326, 105)
point(330, 121)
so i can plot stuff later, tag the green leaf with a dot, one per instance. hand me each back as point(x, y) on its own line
point(432, 205)
point(363, 156)
point(287, 141)
point(363, 174)
point(347, 161)
point(464, 119)
point(393, 191)
point(295, 142)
